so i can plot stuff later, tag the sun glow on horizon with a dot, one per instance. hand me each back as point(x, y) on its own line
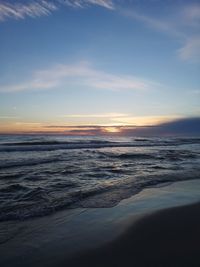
point(112, 129)
point(107, 125)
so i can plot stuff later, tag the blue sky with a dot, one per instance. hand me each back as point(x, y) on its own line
point(98, 62)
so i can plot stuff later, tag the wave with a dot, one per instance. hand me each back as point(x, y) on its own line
point(13, 188)
point(131, 156)
point(32, 185)
point(40, 202)
point(50, 145)
point(46, 146)
point(55, 142)
point(177, 155)
point(170, 155)
point(163, 155)
point(10, 176)
point(27, 163)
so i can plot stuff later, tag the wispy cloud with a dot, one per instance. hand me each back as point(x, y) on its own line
point(179, 126)
point(82, 3)
point(183, 24)
point(116, 119)
point(107, 115)
point(8, 117)
point(80, 75)
point(190, 50)
point(144, 120)
point(152, 22)
point(37, 8)
point(191, 14)
point(20, 10)
point(194, 92)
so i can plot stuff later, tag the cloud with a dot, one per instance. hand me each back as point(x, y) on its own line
point(144, 120)
point(190, 50)
point(175, 127)
point(191, 14)
point(8, 117)
point(194, 92)
point(108, 115)
point(38, 8)
point(182, 23)
point(82, 3)
point(22, 10)
point(180, 127)
point(157, 24)
point(85, 129)
point(81, 74)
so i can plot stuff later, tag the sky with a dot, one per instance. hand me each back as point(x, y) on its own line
point(98, 64)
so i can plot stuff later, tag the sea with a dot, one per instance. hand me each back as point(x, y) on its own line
point(42, 174)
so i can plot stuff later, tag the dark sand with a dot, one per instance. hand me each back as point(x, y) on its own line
point(143, 230)
point(170, 238)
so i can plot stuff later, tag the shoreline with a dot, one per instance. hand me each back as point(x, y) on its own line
point(54, 240)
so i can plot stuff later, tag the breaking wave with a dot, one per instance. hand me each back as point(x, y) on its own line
point(40, 175)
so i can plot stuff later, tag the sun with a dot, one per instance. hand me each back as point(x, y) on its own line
point(112, 129)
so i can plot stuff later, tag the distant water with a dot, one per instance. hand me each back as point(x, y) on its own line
point(42, 174)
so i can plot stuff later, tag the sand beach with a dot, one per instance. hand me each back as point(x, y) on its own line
point(157, 227)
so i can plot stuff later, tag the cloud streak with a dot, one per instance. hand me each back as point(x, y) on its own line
point(180, 127)
point(79, 75)
point(182, 23)
point(171, 127)
point(176, 127)
point(190, 50)
point(108, 115)
point(82, 3)
point(22, 10)
point(38, 8)
point(8, 117)
point(152, 22)
point(191, 14)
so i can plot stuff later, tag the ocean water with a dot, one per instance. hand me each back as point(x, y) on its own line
point(40, 175)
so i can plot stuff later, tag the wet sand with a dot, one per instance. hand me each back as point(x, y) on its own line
point(156, 228)
point(170, 237)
